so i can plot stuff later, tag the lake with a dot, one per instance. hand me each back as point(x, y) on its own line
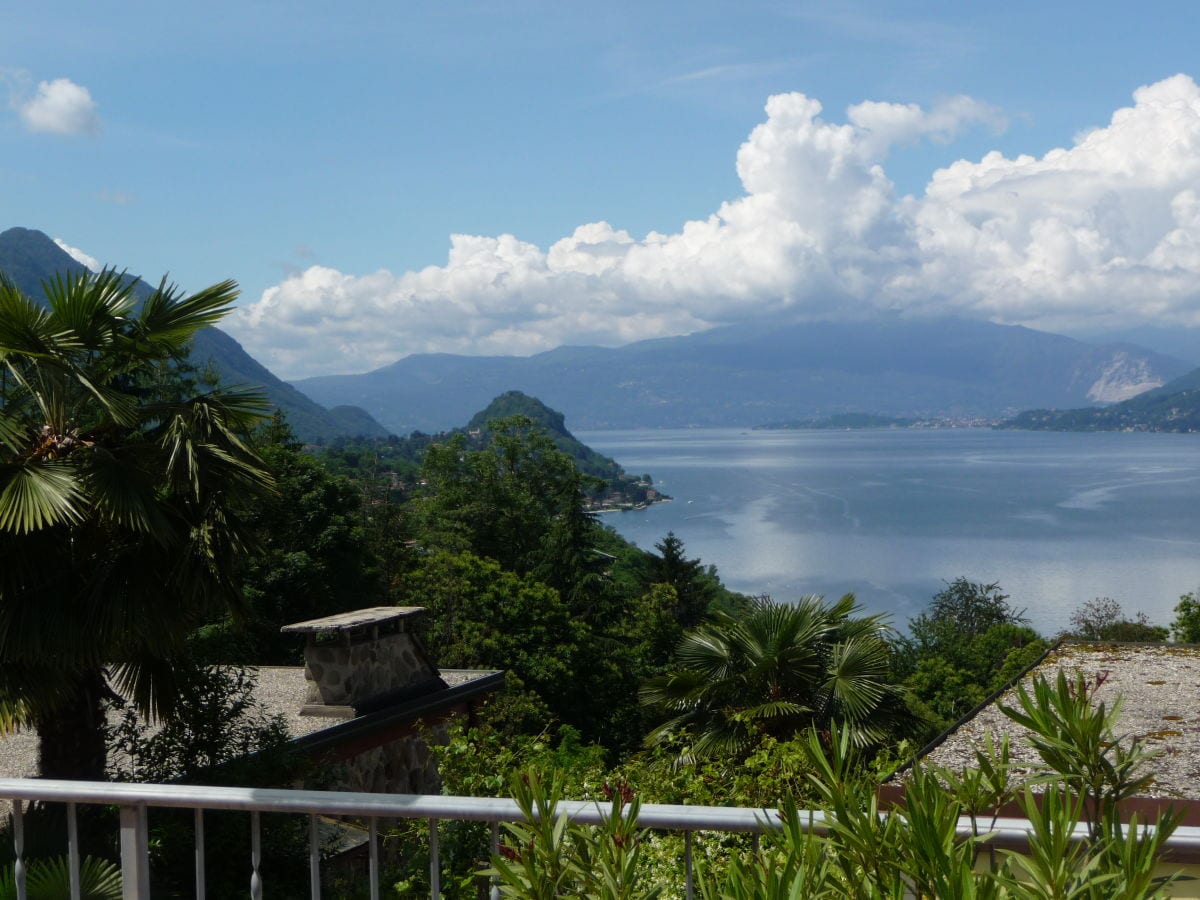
point(1056, 519)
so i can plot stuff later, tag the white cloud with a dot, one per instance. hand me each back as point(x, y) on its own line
point(1105, 232)
point(84, 259)
point(60, 107)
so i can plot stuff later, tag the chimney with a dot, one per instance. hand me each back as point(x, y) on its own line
point(359, 661)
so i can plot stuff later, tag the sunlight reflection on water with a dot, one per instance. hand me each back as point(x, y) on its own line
point(1056, 519)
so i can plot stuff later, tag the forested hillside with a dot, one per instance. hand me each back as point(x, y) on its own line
point(28, 258)
point(1173, 407)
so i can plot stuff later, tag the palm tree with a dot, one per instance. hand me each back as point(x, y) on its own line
point(774, 670)
point(121, 485)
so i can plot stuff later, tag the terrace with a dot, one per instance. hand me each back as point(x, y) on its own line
point(134, 802)
point(1158, 683)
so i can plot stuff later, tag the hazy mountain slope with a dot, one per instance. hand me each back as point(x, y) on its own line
point(751, 374)
point(1173, 407)
point(29, 257)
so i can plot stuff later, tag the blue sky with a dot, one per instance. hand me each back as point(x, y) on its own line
point(324, 154)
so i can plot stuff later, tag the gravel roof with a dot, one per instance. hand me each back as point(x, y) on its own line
point(280, 689)
point(1160, 688)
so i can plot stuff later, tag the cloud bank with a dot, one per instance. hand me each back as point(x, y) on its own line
point(1103, 233)
point(60, 107)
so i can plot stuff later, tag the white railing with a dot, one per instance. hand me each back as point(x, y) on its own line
point(133, 801)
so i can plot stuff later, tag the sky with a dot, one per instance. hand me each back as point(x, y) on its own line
point(504, 178)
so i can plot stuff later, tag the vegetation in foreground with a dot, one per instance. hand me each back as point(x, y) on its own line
point(123, 471)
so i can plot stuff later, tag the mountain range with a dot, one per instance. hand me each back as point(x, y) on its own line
point(733, 376)
point(1173, 407)
point(29, 257)
point(747, 375)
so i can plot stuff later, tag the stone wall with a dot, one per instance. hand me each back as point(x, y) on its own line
point(403, 766)
point(348, 675)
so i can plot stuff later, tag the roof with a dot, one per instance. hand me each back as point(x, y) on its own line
point(283, 690)
point(1159, 685)
point(354, 620)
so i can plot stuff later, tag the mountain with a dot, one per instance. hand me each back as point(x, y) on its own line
point(746, 375)
point(589, 461)
point(1173, 407)
point(29, 257)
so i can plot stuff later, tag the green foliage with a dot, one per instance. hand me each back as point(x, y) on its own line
point(1075, 737)
point(482, 616)
point(1185, 627)
point(774, 671)
point(917, 849)
point(695, 589)
point(122, 489)
point(1103, 619)
point(218, 721)
point(312, 556)
point(220, 735)
point(519, 501)
point(968, 644)
point(607, 476)
point(959, 613)
point(50, 879)
point(546, 856)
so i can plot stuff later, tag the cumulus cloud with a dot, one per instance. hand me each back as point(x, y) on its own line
point(84, 259)
point(60, 107)
point(1105, 232)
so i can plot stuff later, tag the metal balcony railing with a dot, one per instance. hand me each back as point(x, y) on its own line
point(134, 800)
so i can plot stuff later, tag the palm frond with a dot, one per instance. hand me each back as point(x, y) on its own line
point(26, 328)
point(90, 307)
point(12, 432)
point(124, 493)
point(858, 674)
point(39, 494)
point(169, 318)
point(151, 683)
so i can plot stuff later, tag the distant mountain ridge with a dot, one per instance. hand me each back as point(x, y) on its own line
point(29, 257)
point(1174, 406)
point(747, 375)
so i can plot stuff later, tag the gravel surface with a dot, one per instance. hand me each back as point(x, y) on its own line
point(1160, 688)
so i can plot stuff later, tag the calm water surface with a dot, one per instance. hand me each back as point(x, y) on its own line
point(1056, 519)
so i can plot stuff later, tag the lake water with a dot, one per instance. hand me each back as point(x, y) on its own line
point(1056, 519)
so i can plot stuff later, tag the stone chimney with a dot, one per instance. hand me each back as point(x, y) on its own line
point(360, 661)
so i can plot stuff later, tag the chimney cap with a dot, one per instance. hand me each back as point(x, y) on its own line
point(354, 620)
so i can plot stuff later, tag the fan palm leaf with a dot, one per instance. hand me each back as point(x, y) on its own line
point(120, 496)
point(776, 669)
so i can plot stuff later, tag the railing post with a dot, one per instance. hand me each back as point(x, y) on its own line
point(135, 854)
point(494, 894)
point(73, 851)
point(201, 887)
point(435, 862)
point(314, 857)
point(689, 885)
point(19, 849)
point(373, 864)
point(256, 890)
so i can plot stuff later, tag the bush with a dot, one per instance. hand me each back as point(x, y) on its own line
point(914, 850)
point(1185, 627)
point(1103, 619)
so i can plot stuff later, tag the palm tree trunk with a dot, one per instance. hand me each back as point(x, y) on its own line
point(71, 737)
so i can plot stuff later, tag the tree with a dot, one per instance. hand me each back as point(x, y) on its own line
point(121, 491)
point(1185, 627)
point(312, 555)
point(519, 500)
point(695, 589)
point(968, 643)
point(1103, 619)
point(776, 670)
